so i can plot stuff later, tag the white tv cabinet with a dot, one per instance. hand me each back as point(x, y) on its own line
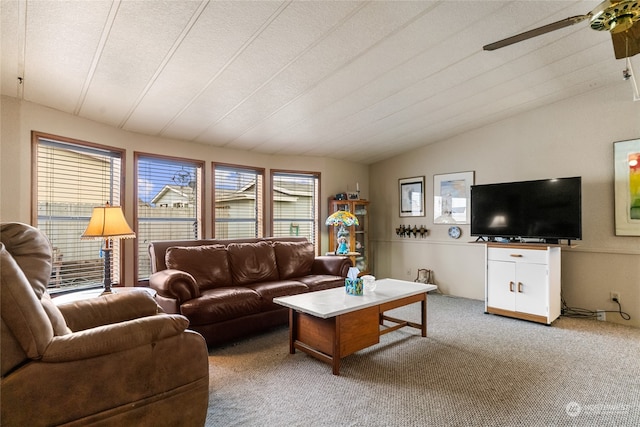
point(523, 281)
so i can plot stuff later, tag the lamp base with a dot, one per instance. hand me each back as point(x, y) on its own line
point(107, 268)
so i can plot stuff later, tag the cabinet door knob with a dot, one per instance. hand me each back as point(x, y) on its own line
point(516, 255)
point(510, 286)
point(520, 287)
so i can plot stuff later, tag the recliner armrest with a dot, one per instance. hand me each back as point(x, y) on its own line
point(109, 339)
point(334, 265)
point(175, 284)
point(106, 309)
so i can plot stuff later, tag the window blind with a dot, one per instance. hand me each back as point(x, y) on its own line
point(238, 206)
point(72, 179)
point(295, 205)
point(169, 203)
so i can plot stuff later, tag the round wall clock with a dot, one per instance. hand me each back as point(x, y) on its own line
point(455, 232)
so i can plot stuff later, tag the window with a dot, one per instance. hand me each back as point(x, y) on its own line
point(238, 196)
point(72, 177)
point(169, 194)
point(294, 201)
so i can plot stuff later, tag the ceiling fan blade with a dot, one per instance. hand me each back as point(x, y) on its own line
point(620, 42)
point(536, 32)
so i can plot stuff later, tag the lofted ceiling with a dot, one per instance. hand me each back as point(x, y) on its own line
point(357, 80)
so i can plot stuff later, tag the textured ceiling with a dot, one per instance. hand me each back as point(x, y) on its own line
point(358, 80)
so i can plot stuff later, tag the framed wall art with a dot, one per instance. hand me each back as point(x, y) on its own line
point(411, 191)
point(626, 158)
point(452, 198)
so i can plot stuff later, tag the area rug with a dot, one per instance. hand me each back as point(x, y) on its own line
point(473, 369)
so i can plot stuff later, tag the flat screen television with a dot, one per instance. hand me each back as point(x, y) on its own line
point(549, 210)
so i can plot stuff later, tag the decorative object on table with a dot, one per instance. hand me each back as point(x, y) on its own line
point(107, 223)
point(343, 248)
point(353, 284)
point(342, 219)
point(452, 198)
point(340, 196)
point(369, 283)
point(411, 193)
point(424, 276)
point(626, 157)
point(455, 232)
point(354, 195)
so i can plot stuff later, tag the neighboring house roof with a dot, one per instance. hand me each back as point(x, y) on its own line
point(281, 194)
point(176, 190)
point(295, 191)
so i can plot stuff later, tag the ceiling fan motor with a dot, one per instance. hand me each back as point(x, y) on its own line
point(615, 17)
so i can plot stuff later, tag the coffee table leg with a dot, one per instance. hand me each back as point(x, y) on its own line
point(292, 331)
point(423, 304)
point(335, 361)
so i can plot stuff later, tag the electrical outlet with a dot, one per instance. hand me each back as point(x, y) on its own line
point(601, 315)
point(613, 295)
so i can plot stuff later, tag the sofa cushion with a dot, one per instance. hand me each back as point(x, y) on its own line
point(208, 264)
point(221, 304)
point(270, 290)
point(294, 259)
point(252, 262)
point(319, 282)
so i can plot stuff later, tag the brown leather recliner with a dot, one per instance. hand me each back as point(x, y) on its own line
point(112, 360)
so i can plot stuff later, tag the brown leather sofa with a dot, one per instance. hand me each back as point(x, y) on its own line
point(109, 361)
point(226, 287)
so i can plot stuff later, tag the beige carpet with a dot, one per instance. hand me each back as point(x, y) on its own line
point(473, 369)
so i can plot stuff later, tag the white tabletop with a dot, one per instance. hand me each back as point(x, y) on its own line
point(336, 301)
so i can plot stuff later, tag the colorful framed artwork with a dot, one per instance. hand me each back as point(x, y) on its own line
point(411, 193)
point(452, 198)
point(626, 158)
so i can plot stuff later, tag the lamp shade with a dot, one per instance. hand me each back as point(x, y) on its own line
point(342, 218)
point(108, 222)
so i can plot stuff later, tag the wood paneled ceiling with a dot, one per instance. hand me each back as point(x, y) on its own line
point(357, 80)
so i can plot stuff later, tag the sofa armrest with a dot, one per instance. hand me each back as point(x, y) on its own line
point(113, 338)
point(106, 309)
point(334, 265)
point(174, 284)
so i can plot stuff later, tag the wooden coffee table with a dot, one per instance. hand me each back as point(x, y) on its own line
point(331, 324)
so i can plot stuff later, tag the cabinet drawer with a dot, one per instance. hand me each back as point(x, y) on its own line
point(518, 255)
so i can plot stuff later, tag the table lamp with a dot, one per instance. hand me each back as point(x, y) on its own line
point(343, 219)
point(107, 222)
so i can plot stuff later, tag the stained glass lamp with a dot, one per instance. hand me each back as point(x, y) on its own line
point(342, 219)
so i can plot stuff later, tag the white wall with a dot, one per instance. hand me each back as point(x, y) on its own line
point(19, 119)
point(569, 138)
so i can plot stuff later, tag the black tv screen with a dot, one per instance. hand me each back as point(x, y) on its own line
point(549, 209)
